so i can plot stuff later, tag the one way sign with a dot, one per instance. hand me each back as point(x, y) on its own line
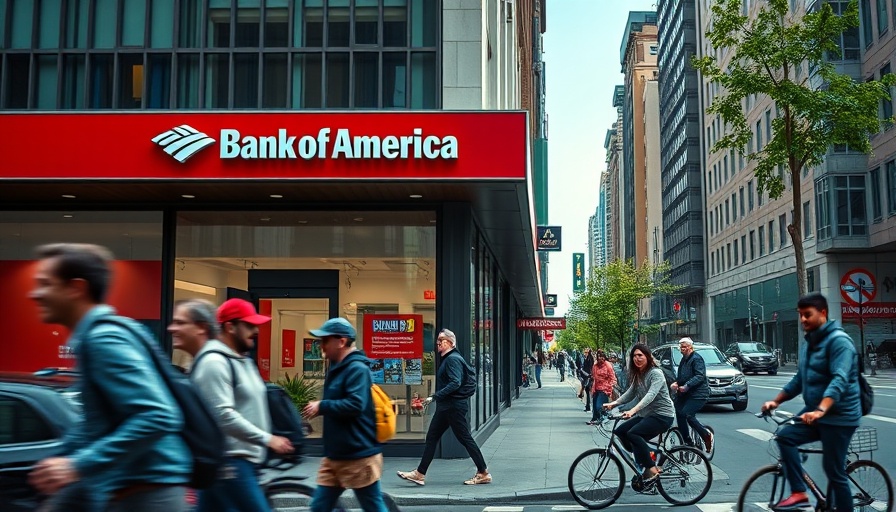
point(578, 272)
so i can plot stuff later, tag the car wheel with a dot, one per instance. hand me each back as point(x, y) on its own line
point(740, 406)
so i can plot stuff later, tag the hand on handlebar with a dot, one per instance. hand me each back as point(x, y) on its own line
point(769, 406)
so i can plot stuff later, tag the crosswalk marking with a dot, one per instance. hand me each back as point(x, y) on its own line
point(503, 509)
point(716, 507)
point(762, 435)
point(881, 418)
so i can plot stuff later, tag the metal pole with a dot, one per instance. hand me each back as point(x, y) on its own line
point(862, 325)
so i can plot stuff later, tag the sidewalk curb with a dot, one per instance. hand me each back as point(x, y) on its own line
point(531, 496)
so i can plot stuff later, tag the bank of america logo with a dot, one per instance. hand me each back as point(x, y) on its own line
point(182, 142)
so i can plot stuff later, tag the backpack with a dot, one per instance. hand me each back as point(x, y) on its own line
point(384, 414)
point(201, 432)
point(285, 419)
point(468, 384)
point(866, 393)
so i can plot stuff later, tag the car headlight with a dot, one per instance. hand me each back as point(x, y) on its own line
point(739, 379)
point(746, 357)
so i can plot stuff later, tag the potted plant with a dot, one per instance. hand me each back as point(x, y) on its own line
point(301, 391)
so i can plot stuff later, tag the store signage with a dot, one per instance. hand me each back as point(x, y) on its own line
point(393, 336)
point(267, 145)
point(578, 272)
point(429, 295)
point(868, 310)
point(549, 238)
point(540, 324)
point(550, 300)
point(549, 311)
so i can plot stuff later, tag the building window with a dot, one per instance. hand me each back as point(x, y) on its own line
point(771, 236)
point(761, 241)
point(822, 208)
point(883, 20)
point(848, 41)
point(891, 186)
point(759, 197)
point(728, 258)
point(752, 245)
point(886, 103)
point(654, 49)
point(759, 136)
point(807, 219)
point(867, 28)
point(750, 195)
point(733, 207)
point(736, 254)
point(741, 201)
point(768, 126)
point(812, 279)
point(782, 229)
point(876, 210)
point(727, 216)
point(850, 193)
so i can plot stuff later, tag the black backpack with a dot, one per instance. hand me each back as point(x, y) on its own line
point(201, 432)
point(866, 393)
point(285, 419)
point(468, 384)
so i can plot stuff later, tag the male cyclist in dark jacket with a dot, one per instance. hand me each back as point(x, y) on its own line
point(692, 393)
point(452, 410)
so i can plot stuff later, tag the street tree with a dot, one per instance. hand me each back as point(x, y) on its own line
point(605, 314)
point(816, 109)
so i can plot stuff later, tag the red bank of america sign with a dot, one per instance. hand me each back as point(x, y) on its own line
point(261, 145)
point(539, 324)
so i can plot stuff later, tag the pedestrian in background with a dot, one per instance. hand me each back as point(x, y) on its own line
point(125, 453)
point(233, 388)
point(827, 376)
point(653, 413)
point(561, 364)
point(452, 410)
point(539, 364)
point(604, 380)
point(193, 324)
point(585, 377)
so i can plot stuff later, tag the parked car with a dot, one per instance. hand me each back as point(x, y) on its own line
point(727, 385)
point(752, 356)
point(34, 413)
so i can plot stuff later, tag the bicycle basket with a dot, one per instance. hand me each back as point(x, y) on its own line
point(863, 440)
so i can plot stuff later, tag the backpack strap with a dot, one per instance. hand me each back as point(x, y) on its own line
point(227, 357)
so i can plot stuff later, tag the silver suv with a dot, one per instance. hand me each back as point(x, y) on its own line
point(727, 385)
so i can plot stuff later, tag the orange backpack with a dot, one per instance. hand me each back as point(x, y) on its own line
point(384, 414)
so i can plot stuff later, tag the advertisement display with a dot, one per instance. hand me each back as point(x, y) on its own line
point(312, 357)
point(288, 356)
point(395, 344)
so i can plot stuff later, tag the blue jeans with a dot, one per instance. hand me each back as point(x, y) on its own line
point(600, 398)
point(370, 498)
point(236, 490)
point(538, 374)
point(835, 441)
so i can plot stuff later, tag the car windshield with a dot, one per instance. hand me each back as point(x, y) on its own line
point(710, 355)
point(753, 347)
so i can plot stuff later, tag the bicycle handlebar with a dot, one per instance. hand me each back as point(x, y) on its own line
point(779, 417)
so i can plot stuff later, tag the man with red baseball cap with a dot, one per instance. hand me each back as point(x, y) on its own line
point(231, 384)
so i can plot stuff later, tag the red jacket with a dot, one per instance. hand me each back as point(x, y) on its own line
point(604, 378)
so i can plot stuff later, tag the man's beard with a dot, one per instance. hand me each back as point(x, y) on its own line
point(243, 346)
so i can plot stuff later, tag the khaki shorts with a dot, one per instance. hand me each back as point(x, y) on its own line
point(350, 474)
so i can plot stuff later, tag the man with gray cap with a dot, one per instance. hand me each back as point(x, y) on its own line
point(692, 393)
point(452, 410)
point(353, 458)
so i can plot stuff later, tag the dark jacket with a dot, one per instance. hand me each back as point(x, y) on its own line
point(449, 377)
point(585, 367)
point(692, 373)
point(347, 408)
point(828, 367)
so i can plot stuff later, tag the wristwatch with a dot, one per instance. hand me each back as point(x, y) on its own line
point(822, 409)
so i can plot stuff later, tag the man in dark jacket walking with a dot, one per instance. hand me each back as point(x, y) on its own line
point(353, 459)
point(692, 393)
point(452, 410)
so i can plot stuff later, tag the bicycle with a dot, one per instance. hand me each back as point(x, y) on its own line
point(596, 477)
point(673, 437)
point(871, 486)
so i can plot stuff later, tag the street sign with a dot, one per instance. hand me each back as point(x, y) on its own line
point(549, 311)
point(858, 286)
point(676, 307)
point(550, 300)
point(539, 324)
point(578, 272)
point(549, 238)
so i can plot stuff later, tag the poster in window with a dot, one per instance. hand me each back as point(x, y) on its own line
point(377, 368)
point(312, 357)
point(393, 371)
point(394, 336)
point(413, 371)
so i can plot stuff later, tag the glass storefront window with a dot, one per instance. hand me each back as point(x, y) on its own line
point(351, 263)
point(135, 240)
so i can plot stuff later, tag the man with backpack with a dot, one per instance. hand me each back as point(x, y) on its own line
point(232, 386)
point(828, 378)
point(126, 452)
point(353, 458)
point(456, 383)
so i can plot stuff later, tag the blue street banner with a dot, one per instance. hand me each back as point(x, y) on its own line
point(548, 238)
point(578, 272)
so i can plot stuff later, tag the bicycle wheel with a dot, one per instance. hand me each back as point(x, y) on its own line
point(700, 445)
point(596, 478)
point(764, 488)
point(292, 496)
point(871, 486)
point(686, 476)
point(672, 438)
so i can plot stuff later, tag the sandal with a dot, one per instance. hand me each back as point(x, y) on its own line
point(479, 478)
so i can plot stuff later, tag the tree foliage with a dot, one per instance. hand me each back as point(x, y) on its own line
point(604, 314)
point(816, 109)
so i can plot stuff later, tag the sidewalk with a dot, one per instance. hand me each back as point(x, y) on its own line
point(528, 455)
